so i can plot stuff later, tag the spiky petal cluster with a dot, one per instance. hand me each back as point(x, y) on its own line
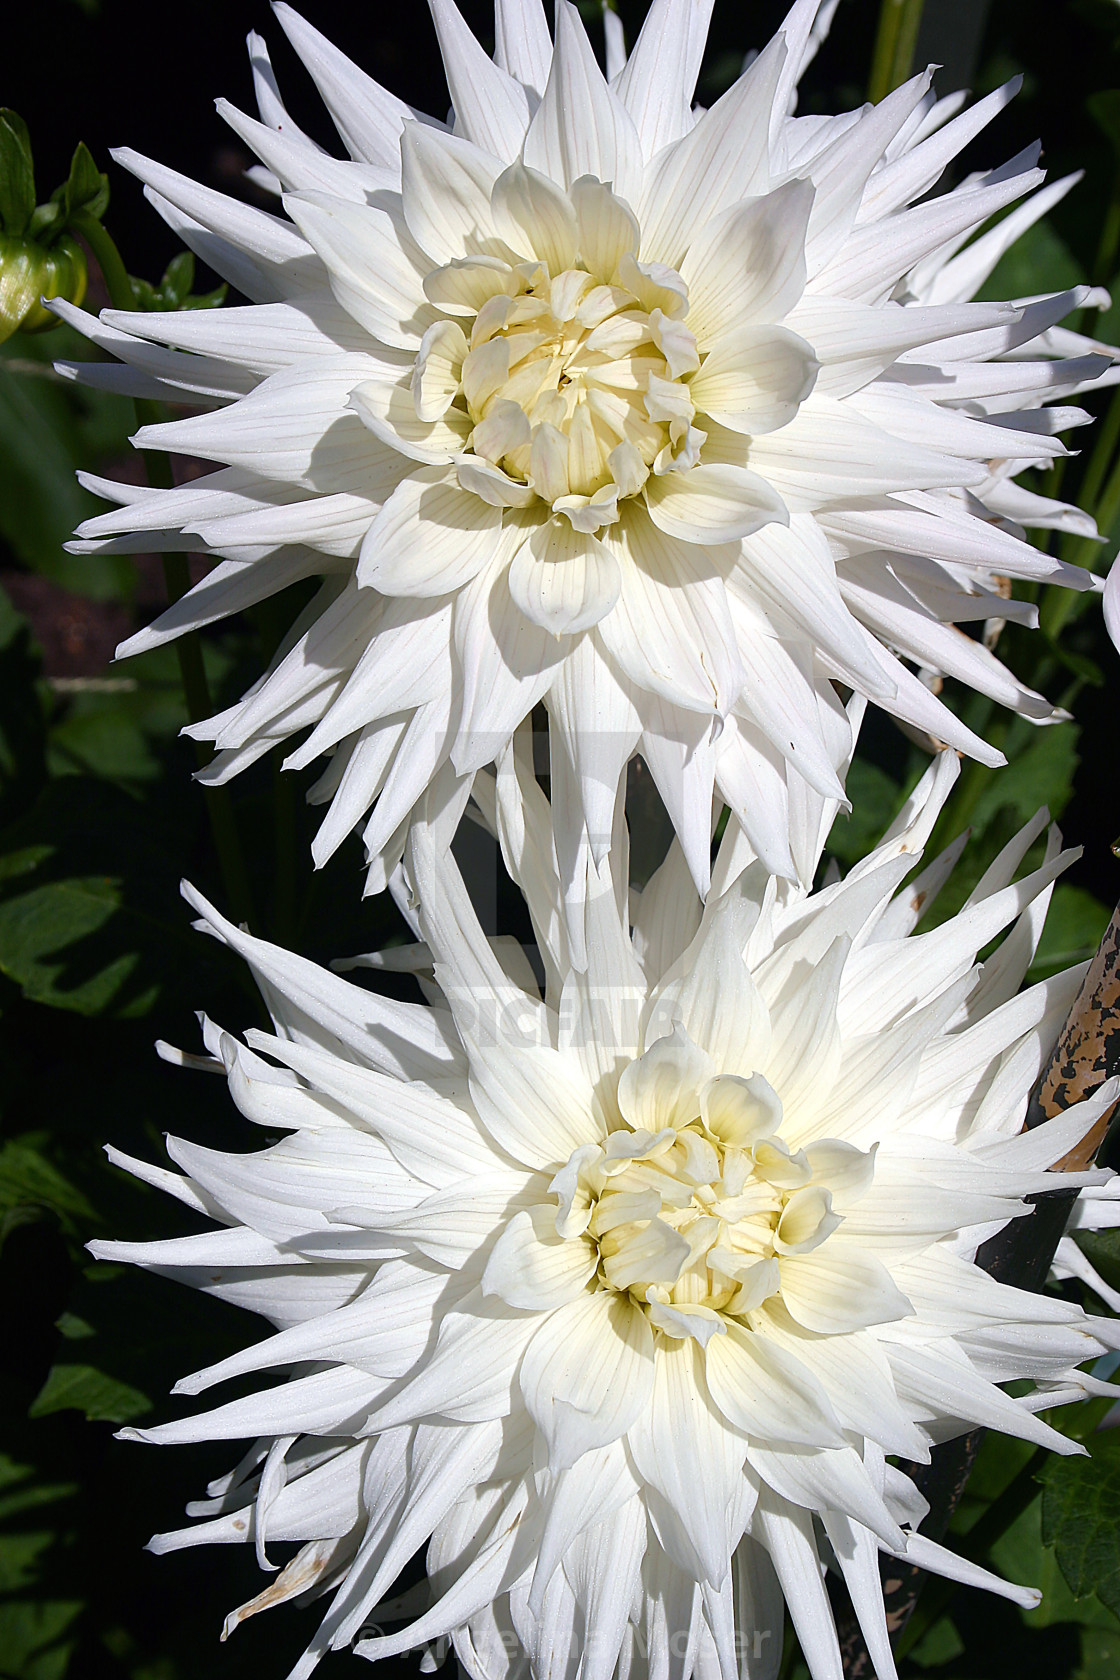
point(619, 1291)
point(667, 419)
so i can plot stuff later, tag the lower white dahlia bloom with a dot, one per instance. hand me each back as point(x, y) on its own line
point(619, 1297)
point(665, 418)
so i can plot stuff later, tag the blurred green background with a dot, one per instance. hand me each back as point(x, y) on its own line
point(99, 819)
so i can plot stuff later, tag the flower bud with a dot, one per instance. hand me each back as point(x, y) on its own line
point(30, 272)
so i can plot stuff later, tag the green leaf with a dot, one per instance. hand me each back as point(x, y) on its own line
point(875, 798)
point(174, 289)
point(17, 174)
point(48, 431)
point(94, 924)
point(1102, 1250)
point(30, 1182)
point(1075, 924)
point(103, 1399)
point(1040, 771)
point(1081, 1518)
point(87, 188)
point(178, 278)
point(1038, 261)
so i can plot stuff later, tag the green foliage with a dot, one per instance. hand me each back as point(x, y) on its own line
point(85, 188)
point(84, 920)
point(1102, 1250)
point(175, 288)
point(17, 174)
point(49, 430)
point(100, 1398)
point(1080, 1502)
point(31, 1187)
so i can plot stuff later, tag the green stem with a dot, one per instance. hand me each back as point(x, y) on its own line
point(895, 40)
point(107, 257)
point(177, 580)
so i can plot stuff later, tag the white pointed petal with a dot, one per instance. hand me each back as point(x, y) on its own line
point(470, 1376)
point(368, 118)
point(939, 1560)
point(599, 728)
point(536, 217)
point(429, 539)
point(874, 258)
point(834, 1479)
point(662, 1088)
point(389, 412)
point(716, 999)
point(327, 1403)
point(530, 1266)
point(657, 84)
point(257, 232)
point(581, 127)
point(747, 265)
point(375, 270)
point(535, 1102)
point(507, 663)
point(833, 1292)
point(564, 580)
point(608, 228)
point(592, 1489)
point(445, 193)
point(298, 164)
point(317, 1006)
point(587, 1374)
point(754, 379)
point(787, 1533)
point(712, 504)
point(523, 45)
point(725, 158)
point(766, 1393)
point(671, 631)
point(491, 107)
point(682, 1446)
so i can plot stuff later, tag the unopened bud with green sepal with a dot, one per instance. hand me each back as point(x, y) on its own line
point(39, 256)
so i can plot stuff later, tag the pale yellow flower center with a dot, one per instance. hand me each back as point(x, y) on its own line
point(575, 389)
point(693, 1221)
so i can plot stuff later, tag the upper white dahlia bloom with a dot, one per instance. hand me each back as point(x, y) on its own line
point(666, 418)
point(619, 1297)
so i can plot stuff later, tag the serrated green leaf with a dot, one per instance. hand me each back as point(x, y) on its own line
point(84, 1388)
point(17, 174)
point(1081, 1518)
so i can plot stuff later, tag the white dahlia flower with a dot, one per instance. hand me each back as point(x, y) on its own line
point(667, 419)
point(619, 1297)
